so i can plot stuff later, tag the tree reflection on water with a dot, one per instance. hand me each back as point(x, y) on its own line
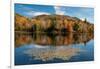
point(47, 47)
point(44, 39)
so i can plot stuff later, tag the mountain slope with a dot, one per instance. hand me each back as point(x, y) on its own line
point(53, 23)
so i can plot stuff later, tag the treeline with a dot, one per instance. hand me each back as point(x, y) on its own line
point(52, 23)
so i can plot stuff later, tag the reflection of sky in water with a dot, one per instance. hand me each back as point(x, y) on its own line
point(35, 54)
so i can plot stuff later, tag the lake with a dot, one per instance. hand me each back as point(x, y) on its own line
point(43, 48)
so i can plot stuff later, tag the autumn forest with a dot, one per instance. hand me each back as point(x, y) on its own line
point(52, 24)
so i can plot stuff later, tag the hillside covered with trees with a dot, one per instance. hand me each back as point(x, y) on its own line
point(52, 23)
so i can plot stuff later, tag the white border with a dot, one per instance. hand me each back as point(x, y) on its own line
point(83, 3)
point(77, 3)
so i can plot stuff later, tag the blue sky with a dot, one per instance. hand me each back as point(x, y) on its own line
point(30, 10)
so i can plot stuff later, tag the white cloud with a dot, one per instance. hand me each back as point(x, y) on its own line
point(40, 13)
point(35, 13)
point(59, 10)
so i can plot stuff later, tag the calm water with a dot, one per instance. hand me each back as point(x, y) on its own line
point(32, 48)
